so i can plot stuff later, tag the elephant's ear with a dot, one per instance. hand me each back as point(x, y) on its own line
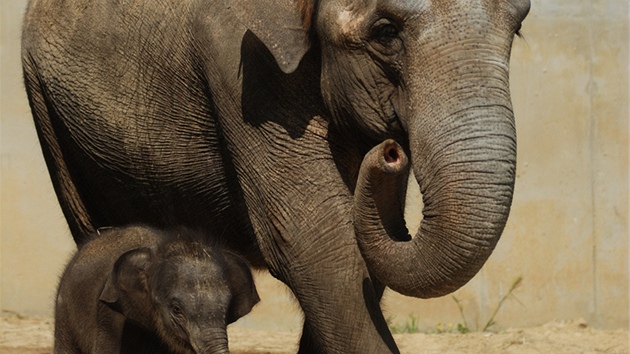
point(282, 25)
point(241, 282)
point(128, 279)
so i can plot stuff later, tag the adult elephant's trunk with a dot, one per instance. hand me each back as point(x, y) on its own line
point(463, 147)
point(466, 206)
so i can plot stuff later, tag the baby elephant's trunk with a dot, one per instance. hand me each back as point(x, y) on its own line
point(211, 341)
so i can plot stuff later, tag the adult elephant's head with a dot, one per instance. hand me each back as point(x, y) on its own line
point(435, 72)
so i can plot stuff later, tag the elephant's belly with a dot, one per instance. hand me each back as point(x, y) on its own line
point(165, 183)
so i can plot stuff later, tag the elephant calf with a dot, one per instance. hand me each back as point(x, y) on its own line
point(141, 290)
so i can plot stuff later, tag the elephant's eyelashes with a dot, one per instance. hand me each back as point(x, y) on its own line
point(385, 38)
point(176, 309)
point(385, 33)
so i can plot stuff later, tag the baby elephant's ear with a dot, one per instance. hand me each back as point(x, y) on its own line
point(241, 282)
point(127, 279)
point(282, 25)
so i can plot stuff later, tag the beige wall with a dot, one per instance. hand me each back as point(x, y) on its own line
point(568, 232)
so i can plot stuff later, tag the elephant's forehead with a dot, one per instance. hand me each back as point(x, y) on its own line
point(187, 271)
point(352, 9)
point(355, 12)
point(200, 268)
point(408, 6)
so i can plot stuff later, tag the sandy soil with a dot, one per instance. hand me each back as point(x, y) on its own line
point(34, 336)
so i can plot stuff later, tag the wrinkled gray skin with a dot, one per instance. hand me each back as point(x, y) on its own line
point(140, 290)
point(255, 116)
point(383, 170)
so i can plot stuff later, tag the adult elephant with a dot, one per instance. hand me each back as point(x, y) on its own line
point(249, 121)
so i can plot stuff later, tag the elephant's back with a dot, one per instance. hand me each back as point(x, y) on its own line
point(132, 112)
point(115, 67)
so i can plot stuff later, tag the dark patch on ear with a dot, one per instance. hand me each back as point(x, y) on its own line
point(282, 25)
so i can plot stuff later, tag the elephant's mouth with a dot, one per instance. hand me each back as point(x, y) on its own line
point(397, 124)
point(397, 119)
point(395, 128)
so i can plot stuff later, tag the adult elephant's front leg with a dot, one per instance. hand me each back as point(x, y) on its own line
point(323, 267)
point(307, 238)
point(308, 344)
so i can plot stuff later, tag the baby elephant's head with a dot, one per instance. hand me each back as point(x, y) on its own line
point(185, 291)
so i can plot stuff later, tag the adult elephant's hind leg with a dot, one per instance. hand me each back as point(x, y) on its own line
point(71, 203)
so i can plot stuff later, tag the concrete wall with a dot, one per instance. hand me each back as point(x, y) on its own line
point(567, 236)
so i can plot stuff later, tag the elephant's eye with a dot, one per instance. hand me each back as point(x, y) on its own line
point(176, 309)
point(385, 36)
point(384, 31)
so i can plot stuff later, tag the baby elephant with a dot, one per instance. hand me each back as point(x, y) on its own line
point(141, 290)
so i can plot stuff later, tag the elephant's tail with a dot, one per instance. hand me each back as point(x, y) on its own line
point(74, 209)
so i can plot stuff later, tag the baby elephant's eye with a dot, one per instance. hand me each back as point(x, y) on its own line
point(176, 309)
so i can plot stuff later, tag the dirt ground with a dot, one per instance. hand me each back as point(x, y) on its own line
point(34, 336)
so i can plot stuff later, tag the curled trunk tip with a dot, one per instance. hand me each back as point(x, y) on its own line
point(454, 240)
